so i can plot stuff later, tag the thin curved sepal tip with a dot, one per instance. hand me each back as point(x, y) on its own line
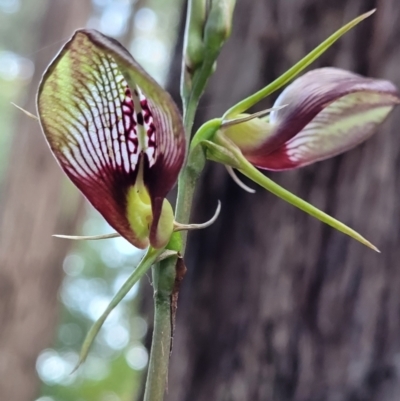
point(189, 227)
point(372, 246)
point(367, 14)
point(25, 112)
point(87, 237)
point(237, 180)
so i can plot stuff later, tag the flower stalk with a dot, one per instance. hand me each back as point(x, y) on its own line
point(217, 30)
point(164, 275)
point(157, 376)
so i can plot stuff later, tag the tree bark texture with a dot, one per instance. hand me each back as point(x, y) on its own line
point(35, 203)
point(277, 306)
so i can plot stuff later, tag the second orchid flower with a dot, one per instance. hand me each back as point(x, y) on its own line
point(323, 113)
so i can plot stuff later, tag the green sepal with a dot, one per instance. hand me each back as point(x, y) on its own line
point(255, 175)
point(224, 151)
point(250, 101)
point(205, 132)
point(144, 265)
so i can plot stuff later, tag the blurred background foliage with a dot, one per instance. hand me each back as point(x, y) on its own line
point(93, 270)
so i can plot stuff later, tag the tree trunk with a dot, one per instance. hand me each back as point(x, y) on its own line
point(276, 305)
point(35, 204)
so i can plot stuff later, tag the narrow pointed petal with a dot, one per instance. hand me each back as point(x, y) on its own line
point(295, 70)
point(329, 112)
point(151, 256)
point(104, 116)
point(250, 171)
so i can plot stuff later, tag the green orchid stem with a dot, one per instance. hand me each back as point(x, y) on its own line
point(144, 265)
point(163, 283)
point(191, 92)
point(196, 159)
point(251, 172)
point(200, 79)
point(160, 346)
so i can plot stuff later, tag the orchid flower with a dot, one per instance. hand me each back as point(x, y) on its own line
point(119, 137)
point(116, 133)
point(325, 112)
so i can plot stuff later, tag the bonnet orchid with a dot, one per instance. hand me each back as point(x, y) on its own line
point(116, 133)
point(323, 113)
point(119, 137)
point(121, 140)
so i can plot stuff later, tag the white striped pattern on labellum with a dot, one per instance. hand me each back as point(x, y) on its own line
point(103, 116)
point(110, 126)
